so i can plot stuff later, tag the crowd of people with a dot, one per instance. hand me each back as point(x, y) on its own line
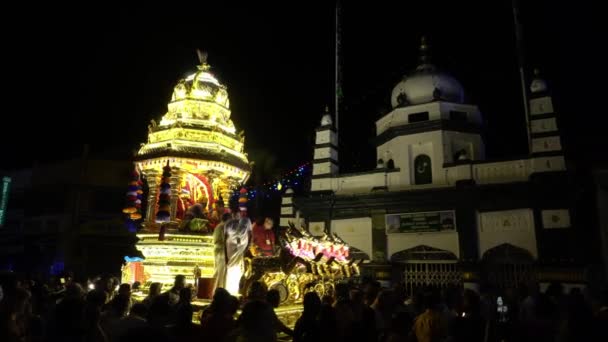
point(31, 311)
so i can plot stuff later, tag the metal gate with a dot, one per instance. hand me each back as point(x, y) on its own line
point(510, 275)
point(418, 275)
point(508, 266)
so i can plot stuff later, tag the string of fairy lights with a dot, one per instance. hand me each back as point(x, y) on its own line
point(294, 178)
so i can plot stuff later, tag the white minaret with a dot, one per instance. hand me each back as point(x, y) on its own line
point(544, 131)
point(288, 211)
point(546, 144)
point(325, 163)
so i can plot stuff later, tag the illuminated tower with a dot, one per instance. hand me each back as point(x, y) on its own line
point(193, 158)
point(199, 141)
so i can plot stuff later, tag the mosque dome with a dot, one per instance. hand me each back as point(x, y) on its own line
point(426, 84)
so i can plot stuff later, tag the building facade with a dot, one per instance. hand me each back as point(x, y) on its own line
point(435, 211)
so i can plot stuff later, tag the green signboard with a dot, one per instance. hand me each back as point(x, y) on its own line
point(432, 221)
point(6, 184)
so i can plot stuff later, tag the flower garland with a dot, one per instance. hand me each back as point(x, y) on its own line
point(134, 195)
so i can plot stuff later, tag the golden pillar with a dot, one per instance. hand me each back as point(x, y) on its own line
point(153, 189)
point(176, 175)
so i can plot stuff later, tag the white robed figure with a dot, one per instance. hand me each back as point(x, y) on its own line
point(237, 233)
point(219, 251)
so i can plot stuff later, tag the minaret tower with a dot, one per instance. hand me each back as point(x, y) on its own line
point(546, 142)
point(543, 124)
point(325, 163)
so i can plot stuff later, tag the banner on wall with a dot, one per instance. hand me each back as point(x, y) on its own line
point(430, 221)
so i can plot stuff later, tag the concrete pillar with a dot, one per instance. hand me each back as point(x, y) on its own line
point(379, 249)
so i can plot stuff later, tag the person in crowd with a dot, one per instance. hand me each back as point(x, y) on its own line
point(15, 316)
point(430, 325)
point(470, 326)
point(183, 329)
point(364, 320)
point(134, 321)
point(307, 327)
point(257, 291)
point(578, 323)
point(383, 311)
point(153, 292)
point(219, 253)
point(401, 325)
point(263, 237)
point(256, 323)
point(217, 320)
point(66, 322)
point(328, 323)
point(178, 285)
point(95, 302)
point(273, 297)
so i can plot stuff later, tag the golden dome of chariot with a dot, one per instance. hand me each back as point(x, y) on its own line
point(197, 125)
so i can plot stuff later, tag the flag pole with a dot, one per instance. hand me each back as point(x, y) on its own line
point(338, 89)
point(521, 65)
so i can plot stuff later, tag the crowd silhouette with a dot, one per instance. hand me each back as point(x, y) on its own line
point(106, 312)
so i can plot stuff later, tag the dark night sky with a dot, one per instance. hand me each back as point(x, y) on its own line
point(99, 74)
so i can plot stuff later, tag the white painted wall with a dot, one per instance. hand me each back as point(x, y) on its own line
point(357, 232)
point(399, 116)
point(546, 144)
point(437, 110)
point(287, 211)
point(556, 218)
point(404, 150)
point(443, 240)
point(454, 141)
point(541, 105)
point(316, 228)
point(515, 227)
point(323, 168)
point(543, 125)
point(548, 164)
point(502, 172)
point(325, 152)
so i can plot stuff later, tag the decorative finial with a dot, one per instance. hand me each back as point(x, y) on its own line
point(202, 58)
point(326, 118)
point(538, 85)
point(424, 48)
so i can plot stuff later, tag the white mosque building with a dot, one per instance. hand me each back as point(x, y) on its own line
point(435, 211)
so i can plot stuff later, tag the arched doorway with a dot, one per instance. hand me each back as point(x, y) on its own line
point(423, 172)
point(425, 266)
point(508, 266)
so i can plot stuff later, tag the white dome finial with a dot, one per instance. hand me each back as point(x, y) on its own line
point(538, 84)
point(426, 84)
point(326, 119)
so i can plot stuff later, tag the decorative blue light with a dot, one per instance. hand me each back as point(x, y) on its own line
point(133, 259)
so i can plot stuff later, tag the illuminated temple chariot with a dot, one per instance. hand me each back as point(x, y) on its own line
point(304, 263)
point(194, 158)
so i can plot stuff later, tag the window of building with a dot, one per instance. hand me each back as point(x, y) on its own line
point(418, 117)
point(390, 164)
point(423, 173)
point(458, 115)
